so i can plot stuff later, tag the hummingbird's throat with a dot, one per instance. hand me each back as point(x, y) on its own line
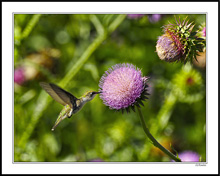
point(85, 99)
point(70, 113)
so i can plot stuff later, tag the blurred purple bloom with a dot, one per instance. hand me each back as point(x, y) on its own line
point(154, 18)
point(19, 76)
point(96, 160)
point(189, 156)
point(134, 16)
point(121, 86)
point(204, 32)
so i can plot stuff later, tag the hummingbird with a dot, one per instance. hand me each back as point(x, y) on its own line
point(71, 104)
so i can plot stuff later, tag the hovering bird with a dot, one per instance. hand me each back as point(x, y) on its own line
point(71, 104)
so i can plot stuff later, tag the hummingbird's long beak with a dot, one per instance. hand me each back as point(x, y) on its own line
point(97, 92)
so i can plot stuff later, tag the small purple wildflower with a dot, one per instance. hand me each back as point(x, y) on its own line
point(154, 18)
point(189, 156)
point(135, 16)
point(123, 86)
point(19, 76)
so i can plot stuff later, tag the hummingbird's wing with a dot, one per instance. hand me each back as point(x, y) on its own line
point(61, 96)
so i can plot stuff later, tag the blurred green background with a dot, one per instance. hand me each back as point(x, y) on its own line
point(74, 51)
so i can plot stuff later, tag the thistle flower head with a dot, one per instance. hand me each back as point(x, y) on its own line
point(123, 86)
point(168, 48)
point(179, 42)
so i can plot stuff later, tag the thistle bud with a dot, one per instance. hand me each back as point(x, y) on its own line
point(179, 42)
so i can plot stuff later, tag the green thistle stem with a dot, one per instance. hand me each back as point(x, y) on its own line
point(165, 113)
point(35, 18)
point(155, 143)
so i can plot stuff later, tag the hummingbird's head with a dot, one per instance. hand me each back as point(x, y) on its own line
point(90, 95)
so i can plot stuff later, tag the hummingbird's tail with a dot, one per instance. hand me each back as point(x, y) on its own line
point(59, 119)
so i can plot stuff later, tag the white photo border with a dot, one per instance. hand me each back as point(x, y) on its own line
point(208, 8)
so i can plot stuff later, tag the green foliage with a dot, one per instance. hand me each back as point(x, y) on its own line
point(73, 51)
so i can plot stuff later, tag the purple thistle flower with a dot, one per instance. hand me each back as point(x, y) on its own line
point(19, 76)
point(123, 86)
point(168, 49)
point(135, 16)
point(189, 156)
